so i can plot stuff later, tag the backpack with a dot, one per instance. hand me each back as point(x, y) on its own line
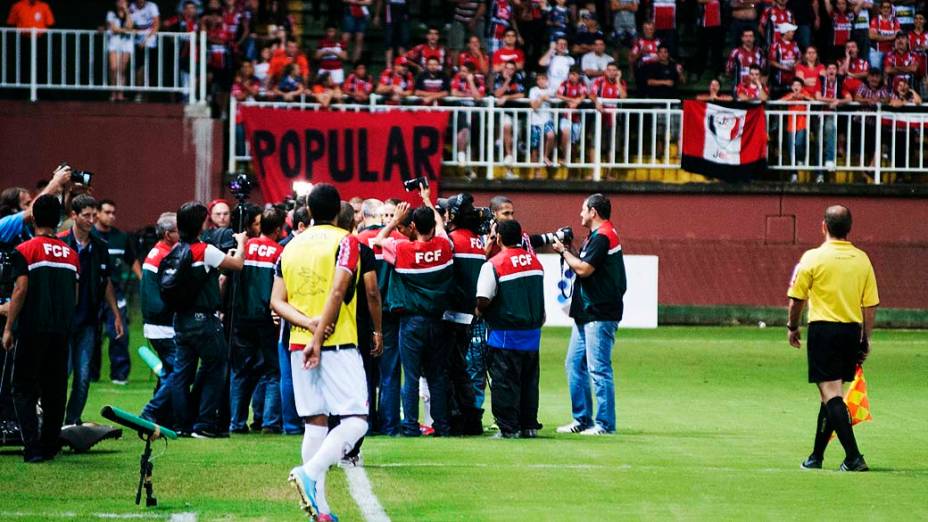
point(178, 283)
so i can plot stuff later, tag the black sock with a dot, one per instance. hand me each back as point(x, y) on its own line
point(823, 431)
point(840, 420)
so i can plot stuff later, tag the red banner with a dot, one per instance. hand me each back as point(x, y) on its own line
point(362, 154)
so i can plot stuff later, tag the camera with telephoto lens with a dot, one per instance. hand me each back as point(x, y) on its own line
point(416, 184)
point(564, 234)
point(241, 186)
point(82, 177)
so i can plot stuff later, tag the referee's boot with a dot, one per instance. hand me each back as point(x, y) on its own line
point(813, 462)
point(856, 464)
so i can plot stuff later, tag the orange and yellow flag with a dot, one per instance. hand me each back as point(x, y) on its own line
point(858, 404)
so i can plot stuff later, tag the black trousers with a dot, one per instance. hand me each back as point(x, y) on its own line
point(466, 418)
point(41, 372)
point(514, 387)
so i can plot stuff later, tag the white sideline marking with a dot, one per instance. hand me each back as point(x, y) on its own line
point(362, 493)
point(183, 517)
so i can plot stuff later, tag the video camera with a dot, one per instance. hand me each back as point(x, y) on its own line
point(463, 214)
point(241, 186)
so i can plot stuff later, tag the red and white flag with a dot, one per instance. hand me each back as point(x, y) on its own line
point(727, 141)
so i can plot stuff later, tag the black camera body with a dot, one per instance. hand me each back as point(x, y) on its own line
point(485, 216)
point(241, 185)
point(415, 184)
point(82, 177)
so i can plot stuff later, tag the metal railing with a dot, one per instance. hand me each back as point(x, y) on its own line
point(647, 134)
point(82, 60)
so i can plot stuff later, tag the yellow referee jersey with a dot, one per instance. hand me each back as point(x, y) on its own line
point(837, 279)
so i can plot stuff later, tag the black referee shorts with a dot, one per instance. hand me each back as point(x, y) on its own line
point(833, 350)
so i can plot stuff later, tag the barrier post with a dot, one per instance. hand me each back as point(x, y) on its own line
point(491, 136)
point(192, 81)
point(33, 73)
point(597, 145)
point(233, 135)
point(202, 64)
point(878, 152)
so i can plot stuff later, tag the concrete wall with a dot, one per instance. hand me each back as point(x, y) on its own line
point(146, 157)
point(740, 249)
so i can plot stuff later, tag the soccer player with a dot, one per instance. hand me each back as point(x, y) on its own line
point(837, 280)
point(310, 291)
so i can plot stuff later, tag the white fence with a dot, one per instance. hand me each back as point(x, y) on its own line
point(80, 60)
point(647, 134)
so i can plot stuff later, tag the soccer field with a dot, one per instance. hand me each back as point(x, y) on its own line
point(712, 424)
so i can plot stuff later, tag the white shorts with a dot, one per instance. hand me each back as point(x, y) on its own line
point(338, 386)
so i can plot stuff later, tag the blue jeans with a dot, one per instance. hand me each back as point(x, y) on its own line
point(796, 147)
point(199, 339)
point(830, 135)
point(158, 408)
point(423, 352)
point(390, 377)
point(477, 361)
point(118, 348)
point(293, 425)
point(589, 355)
point(255, 370)
point(81, 350)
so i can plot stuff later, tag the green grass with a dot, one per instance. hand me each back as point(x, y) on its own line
point(713, 423)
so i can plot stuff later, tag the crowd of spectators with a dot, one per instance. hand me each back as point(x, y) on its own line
point(253, 51)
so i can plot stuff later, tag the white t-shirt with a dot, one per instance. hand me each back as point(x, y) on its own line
point(596, 63)
point(558, 69)
point(143, 18)
point(212, 257)
point(486, 281)
point(540, 116)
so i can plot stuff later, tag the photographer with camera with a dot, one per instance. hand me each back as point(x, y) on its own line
point(157, 318)
point(45, 271)
point(201, 349)
point(465, 224)
point(94, 289)
point(510, 294)
point(124, 263)
point(596, 308)
point(419, 289)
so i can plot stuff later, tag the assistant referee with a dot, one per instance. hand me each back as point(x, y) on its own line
point(838, 281)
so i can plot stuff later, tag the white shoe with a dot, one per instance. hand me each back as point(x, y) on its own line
point(595, 430)
point(508, 160)
point(511, 175)
point(573, 427)
point(794, 178)
point(820, 179)
point(830, 166)
point(462, 158)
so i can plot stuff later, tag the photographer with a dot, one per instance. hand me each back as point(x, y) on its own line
point(254, 340)
point(596, 308)
point(503, 210)
point(469, 257)
point(419, 289)
point(123, 261)
point(42, 306)
point(510, 293)
point(94, 288)
point(199, 334)
point(158, 319)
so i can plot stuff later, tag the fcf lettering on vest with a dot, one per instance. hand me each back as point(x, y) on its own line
point(56, 250)
point(262, 250)
point(431, 256)
point(521, 260)
point(475, 242)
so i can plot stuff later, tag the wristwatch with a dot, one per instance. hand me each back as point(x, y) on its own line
point(791, 328)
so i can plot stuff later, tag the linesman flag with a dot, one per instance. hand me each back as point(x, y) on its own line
point(858, 405)
point(724, 140)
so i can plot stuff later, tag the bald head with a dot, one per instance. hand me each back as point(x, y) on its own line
point(838, 221)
